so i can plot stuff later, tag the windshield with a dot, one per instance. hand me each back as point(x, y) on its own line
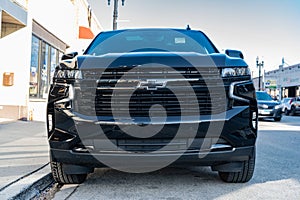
point(151, 40)
point(263, 96)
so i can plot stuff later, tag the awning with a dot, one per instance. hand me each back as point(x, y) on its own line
point(41, 32)
point(85, 33)
point(12, 16)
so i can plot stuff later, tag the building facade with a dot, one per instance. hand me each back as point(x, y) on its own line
point(34, 36)
point(282, 82)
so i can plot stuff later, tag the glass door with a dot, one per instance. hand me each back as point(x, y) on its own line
point(34, 68)
point(44, 65)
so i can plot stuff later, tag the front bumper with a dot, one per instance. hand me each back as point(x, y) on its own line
point(78, 140)
point(151, 160)
point(274, 113)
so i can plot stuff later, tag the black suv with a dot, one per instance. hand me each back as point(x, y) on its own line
point(142, 99)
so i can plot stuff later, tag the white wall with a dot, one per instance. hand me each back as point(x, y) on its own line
point(15, 51)
point(82, 20)
point(57, 16)
point(63, 19)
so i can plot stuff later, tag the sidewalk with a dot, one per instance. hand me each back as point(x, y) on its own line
point(23, 155)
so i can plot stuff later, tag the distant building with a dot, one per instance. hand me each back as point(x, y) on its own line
point(34, 34)
point(282, 82)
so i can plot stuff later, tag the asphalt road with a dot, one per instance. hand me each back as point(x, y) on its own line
point(277, 175)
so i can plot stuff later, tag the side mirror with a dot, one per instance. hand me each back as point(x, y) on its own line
point(234, 53)
point(69, 56)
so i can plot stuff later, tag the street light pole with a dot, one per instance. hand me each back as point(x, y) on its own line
point(115, 14)
point(259, 65)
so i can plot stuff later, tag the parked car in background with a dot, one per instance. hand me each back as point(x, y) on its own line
point(293, 106)
point(286, 105)
point(267, 107)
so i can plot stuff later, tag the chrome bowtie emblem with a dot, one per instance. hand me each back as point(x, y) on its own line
point(151, 84)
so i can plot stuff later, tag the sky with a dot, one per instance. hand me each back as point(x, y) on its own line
point(269, 29)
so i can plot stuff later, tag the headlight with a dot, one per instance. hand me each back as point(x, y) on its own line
point(235, 71)
point(68, 74)
point(263, 106)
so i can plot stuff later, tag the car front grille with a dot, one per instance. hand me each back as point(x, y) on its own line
point(154, 92)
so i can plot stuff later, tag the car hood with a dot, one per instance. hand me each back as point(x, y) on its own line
point(174, 59)
point(269, 103)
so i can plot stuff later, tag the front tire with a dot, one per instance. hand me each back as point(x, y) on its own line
point(244, 175)
point(61, 177)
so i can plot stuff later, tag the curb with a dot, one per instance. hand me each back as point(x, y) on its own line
point(29, 186)
point(35, 189)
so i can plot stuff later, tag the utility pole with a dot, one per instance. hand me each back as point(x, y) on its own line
point(115, 13)
point(259, 65)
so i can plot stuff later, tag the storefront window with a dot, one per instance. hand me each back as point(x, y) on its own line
point(34, 68)
point(44, 59)
point(53, 62)
point(60, 55)
point(44, 70)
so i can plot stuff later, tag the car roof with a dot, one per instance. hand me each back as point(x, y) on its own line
point(152, 29)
